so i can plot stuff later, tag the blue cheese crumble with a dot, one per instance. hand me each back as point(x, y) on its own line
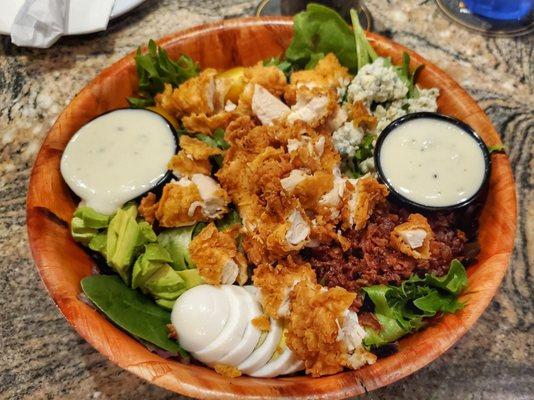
point(378, 83)
point(347, 138)
point(387, 113)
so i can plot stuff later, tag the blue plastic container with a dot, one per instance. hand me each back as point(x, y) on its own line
point(501, 9)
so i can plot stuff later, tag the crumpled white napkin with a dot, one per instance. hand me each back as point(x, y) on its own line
point(40, 23)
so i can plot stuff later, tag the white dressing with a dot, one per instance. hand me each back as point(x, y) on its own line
point(117, 157)
point(432, 162)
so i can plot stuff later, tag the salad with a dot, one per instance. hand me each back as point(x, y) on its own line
point(260, 240)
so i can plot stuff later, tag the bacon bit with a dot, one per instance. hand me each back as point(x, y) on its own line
point(263, 323)
point(172, 332)
point(227, 370)
point(369, 320)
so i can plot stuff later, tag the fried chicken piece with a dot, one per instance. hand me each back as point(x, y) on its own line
point(188, 201)
point(227, 371)
point(270, 78)
point(147, 208)
point(313, 106)
point(194, 96)
point(175, 206)
point(310, 190)
point(213, 253)
point(276, 283)
point(263, 323)
point(193, 158)
point(361, 199)
point(328, 74)
point(182, 165)
point(198, 149)
point(413, 237)
point(322, 332)
point(202, 123)
point(361, 117)
point(285, 237)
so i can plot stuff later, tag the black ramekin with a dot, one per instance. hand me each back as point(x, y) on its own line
point(419, 115)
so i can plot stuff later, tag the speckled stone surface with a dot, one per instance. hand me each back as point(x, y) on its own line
point(42, 357)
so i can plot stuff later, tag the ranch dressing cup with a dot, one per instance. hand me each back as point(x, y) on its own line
point(432, 161)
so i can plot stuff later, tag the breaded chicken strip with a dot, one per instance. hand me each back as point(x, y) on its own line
point(361, 198)
point(187, 201)
point(175, 206)
point(202, 123)
point(328, 74)
point(215, 255)
point(276, 283)
point(194, 96)
point(313, 106)
point(147, 208)
point(197, 149)
point(413, 237)
point(322, 332)
point(270, 78)
point(193, 158)
point(183, 165)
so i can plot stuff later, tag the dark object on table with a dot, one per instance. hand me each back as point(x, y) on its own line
point(292, 7)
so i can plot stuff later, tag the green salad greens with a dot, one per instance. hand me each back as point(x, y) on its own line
point(131, 311)
point(176, 242)
point(318, 31)
point(154, 264)
point(365, 53)
point(155, 68)
point(405, 308)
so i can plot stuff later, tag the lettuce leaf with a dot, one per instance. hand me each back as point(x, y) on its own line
point(155, 68)
point(318, 31)
point(405, 308)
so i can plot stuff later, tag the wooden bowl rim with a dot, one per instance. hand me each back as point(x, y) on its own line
point(182, 378)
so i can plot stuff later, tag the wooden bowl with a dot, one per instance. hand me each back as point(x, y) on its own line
point(62, 263)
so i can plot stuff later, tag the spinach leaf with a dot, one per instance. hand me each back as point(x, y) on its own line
point(230, 219)
point(403, 309)
point(318, 31)
point(130, 310)
point(409, 77)
point(216, 140)
point(155, 68)
point(283, 65)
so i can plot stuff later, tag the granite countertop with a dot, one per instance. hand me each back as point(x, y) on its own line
point(43, 357)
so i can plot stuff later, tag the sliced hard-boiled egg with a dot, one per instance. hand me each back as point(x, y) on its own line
point(295, 365)
point(276, 366)
point(250, 338)
point(264, 352)
point(199, 316)
point(234, 330)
